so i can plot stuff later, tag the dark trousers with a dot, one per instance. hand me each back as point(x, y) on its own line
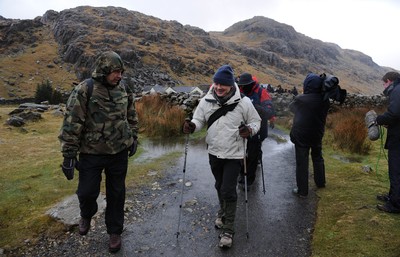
point(254, 153)
point(302, 163)
point(394, 175)
point(226, 172)
point(90, 176)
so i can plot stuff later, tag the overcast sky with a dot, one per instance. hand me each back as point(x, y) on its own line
point(369, 26)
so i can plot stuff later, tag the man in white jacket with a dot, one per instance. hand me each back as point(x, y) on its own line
point(230, 119)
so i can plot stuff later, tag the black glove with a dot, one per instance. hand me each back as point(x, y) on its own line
point(68, 167)
point(271, 125)
point(188, 127)
point(244, 131)
point(132, 149)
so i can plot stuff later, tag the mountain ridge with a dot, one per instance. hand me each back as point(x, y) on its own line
point(62, 46)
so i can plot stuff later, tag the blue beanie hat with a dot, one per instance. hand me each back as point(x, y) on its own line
point(312, 84)
point(224, 76)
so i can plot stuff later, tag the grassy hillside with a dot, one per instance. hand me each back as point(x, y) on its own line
point(23, 71)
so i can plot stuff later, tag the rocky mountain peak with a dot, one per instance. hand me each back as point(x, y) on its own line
point(163, 52)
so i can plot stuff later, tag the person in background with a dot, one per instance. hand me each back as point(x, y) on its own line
point(101, 127)
point(262, 102)
point(391, 120)
point(294, 91)
point(225, 138)
point(310, 111)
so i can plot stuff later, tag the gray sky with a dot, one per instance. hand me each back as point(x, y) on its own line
point(368, 26)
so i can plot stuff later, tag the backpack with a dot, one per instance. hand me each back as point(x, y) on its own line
point(266, 113)
point(89, 83)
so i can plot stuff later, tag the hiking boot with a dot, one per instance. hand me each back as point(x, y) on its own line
point(84, 226)
point(115, 243)
point(218, 223)
point(388, 207)
point(296, 192)
point(225, 240)
point(383, 197)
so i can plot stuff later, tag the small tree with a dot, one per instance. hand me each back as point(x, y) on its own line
point(56, 97)
point(43, 92)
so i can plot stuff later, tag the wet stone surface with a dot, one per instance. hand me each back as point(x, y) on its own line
point(278, 223)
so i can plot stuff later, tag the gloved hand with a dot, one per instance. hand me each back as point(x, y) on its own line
point(272, 122)
point(244, 131)
point(132, 149)
point(188, 127)
point(68, 167)
point(271, 125)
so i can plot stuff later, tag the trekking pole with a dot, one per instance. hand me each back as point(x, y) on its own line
point(183, 184)
point(262, 171)
point(245, 187)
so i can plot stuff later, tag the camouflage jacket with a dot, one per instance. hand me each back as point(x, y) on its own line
point(105, 125)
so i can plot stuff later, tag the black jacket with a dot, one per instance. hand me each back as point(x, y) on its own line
point(310, 113)
point(391, 117)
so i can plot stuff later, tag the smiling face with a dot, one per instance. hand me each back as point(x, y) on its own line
point(222, 90)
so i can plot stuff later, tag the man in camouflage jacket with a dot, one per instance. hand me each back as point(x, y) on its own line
point(101, 126)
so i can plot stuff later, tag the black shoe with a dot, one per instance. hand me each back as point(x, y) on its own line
point(296, 192)
point(115, 243)
point(388, 207)
point(84, 226)
point(383, 197)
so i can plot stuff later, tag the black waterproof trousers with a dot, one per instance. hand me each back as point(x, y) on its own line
point(90, 176)
point(394, 175)
point(226, 172)
point(302, 171)
point(254, 153)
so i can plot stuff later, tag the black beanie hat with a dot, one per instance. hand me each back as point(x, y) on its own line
point(224, 76)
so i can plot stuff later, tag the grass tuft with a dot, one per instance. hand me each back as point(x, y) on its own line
point(158, 118)
point(349, 130)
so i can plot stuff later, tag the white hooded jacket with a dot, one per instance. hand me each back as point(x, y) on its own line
point(223, 138)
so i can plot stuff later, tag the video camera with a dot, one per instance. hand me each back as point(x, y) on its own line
point(331, 88)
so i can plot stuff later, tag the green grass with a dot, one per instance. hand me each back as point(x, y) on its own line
point(348, 223)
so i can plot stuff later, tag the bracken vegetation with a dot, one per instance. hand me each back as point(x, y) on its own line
point(349, 131)
point(158, 118)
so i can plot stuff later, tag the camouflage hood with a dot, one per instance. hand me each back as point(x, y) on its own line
point(106, 63)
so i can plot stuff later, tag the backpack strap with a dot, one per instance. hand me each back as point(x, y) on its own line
point(89, 83)
point(222, 111)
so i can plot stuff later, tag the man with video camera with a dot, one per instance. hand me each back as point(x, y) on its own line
point(310, 110)
point(391, 120)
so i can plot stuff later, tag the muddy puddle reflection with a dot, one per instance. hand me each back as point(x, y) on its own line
point(157, 147)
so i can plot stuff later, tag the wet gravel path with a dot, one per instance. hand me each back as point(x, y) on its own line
point(279, 223)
